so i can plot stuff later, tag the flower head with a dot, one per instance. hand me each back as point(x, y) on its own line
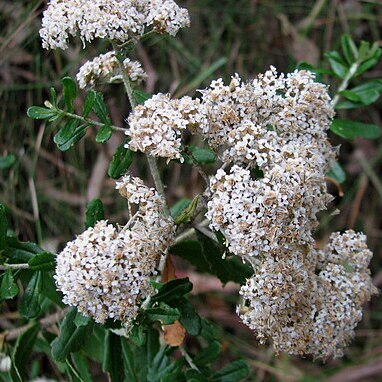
point(117, 20)
point(105, 68)
point(105, 272)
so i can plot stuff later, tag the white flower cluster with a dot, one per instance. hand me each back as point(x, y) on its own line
point(105, 69)
point(155, 127)
point(250, 122)
point(116, 20)
point(105, 272)
point(310, 303)
point(278, 125)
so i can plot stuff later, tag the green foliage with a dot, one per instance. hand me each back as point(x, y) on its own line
point(30, 306)
point(122, 160)
point(186, 214)
point(70, 92)
point(350, 129)
point(73, 334)
point(8, 287)
point(179, 206)
point(94, 212)
point(70, 134)
point(200, 155)
point(75, 126)
point(141, 97)
point(207, 256)
point(22, 352)
point(172, 290)
point(113, 357)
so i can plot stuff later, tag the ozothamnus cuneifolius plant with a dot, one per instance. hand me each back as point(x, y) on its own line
point(268, 139)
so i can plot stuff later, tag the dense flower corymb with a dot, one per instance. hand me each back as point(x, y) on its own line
point(117, 20)
point(310, 303)
point(155, 127)
point(105, 272)
point(105, 68)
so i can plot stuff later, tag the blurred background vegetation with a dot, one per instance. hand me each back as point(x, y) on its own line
point(47, 190)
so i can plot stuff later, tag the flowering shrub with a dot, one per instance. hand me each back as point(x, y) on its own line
point(254, 223)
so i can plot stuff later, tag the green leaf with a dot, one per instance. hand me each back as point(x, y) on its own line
point(172, 290)
point(94, 212)
point(104, 134)
point(179, 206)
point(88, 103)
point(71, 338)
point(70, 92)
point(44, 261)
point(8, 288)
point(38, 112)
point(113, 357)
point(70, 134)
point(121, 162)
point(30, 302)
point(7, 161)
point(208, 355)
point(3, 227)
point(163, 313)
point(349, 49)
point(49, 289)
point(162, 366)
point(365, 94)
point(73, 373)
point(207, 256)
point(141, 97)
point(20, 252)
point(190, 320)
point(350, 129)
point(187, 214)
point(100, 108)
point(339, 66)
point(234, 372)
point(22, 352)
point(138, 334)
point(208, 330)
point(129, 362)
point(201, 155)
point(337, 172)
point(53, 96)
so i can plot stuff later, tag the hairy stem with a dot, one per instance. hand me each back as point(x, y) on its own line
point(5, 267)
point(345, 82)
point(88, 120)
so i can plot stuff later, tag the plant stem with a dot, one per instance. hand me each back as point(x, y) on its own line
point(5, 267)
point(345, 82)
point(151, 160)
point(188, 358)
point(89, 121)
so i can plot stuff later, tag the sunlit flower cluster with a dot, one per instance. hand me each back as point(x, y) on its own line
point(310, 304)
point(155, 127)
point(105, 272)
point(117, 20)
point(105, 69)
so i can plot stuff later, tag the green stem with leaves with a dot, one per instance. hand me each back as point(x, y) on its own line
point(345, 82)
point(88, 121)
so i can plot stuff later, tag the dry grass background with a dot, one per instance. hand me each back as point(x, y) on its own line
point(47, 190)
